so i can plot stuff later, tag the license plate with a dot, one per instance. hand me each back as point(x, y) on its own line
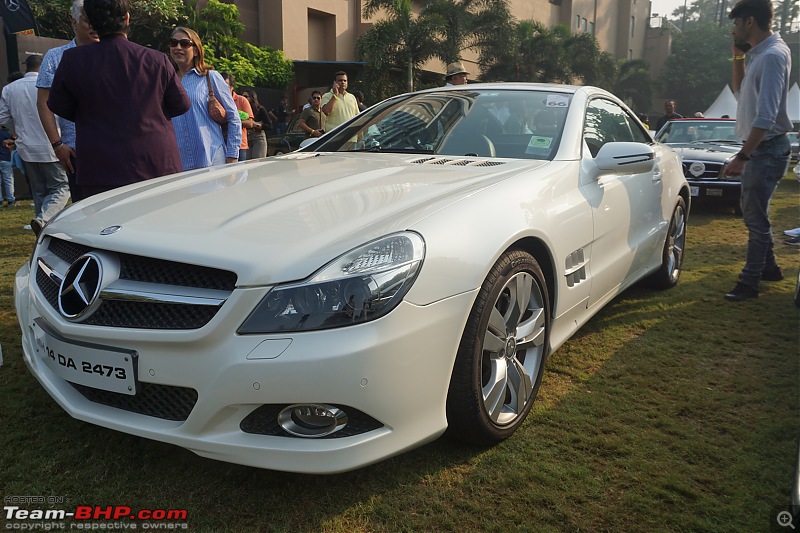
point(694, 191)
point(99, 367)
point(713, 192)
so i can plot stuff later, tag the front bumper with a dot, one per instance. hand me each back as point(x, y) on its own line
point(715, 190)
point(396, 370)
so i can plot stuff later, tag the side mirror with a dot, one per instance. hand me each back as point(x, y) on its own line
point(625, 158)
point(306, 142)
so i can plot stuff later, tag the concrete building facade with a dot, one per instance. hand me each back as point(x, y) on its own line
point(326, 30)
point(320, 35)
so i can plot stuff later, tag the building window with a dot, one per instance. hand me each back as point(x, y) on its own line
point(583, 24)
point(591, 27)
point(633, 25)
point(630, 54)
point(577, 21)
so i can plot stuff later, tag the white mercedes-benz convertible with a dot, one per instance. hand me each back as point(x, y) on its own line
point(406, 274)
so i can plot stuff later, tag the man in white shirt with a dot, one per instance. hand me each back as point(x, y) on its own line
point(46, 175)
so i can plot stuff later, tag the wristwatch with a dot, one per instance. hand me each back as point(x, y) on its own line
point(741, 156)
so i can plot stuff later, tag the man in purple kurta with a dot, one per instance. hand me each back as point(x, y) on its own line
point(121, 97)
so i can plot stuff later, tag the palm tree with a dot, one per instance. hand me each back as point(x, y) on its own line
point(633, 84)
point(535, 54)
point(470, 24)
point(587, 63)
point(541, 54)
point(402, 39)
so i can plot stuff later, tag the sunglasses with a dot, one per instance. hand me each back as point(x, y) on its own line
point(316, 98)
point(183, 43)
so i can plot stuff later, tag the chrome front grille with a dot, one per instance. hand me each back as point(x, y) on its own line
point(147, 293)
point(712, 171)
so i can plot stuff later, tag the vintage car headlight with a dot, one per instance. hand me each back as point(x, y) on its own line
point(722, 175)
point(361, 285)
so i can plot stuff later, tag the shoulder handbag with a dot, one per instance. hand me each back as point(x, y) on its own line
point(215, 109)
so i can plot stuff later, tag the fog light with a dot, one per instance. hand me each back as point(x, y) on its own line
point(312, 420)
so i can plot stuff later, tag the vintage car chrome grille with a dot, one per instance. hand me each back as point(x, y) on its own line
point(149, 293)
point(712, 171)
point(160, 401)
point(264, 421)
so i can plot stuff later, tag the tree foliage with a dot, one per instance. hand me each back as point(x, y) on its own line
point(470, 24)
point(149, 19)
point(634, 85)
point(537, 53)
point(401, 40)
point(702, 12)
point(219, 27)
point(698, 68)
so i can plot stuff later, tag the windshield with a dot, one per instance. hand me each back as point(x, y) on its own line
point(690, 131)
point(482, 123)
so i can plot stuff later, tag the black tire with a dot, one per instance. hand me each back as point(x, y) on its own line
point(669, 272)
point(502, 345)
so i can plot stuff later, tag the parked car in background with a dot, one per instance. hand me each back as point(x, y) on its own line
point(407, 273)
point(794, 139)
point(283, 143)
point(706, 146)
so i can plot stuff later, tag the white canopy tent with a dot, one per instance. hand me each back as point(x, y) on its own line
point(793, 103)
point(725, 104)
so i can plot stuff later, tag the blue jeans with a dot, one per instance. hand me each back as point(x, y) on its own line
point(768, 163)
point(7, 181)
point(49, 187)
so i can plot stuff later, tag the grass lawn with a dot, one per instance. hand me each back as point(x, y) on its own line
point(669, 411)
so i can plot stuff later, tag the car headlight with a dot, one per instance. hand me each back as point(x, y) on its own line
point(361, 285)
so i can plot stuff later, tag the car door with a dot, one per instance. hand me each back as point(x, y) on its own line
point(626, 209)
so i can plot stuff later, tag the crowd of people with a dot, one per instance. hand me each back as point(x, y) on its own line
point(84, 120)
point(88, 119)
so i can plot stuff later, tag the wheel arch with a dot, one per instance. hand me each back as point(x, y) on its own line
point(539, 250)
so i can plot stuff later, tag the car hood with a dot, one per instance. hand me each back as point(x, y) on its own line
point(706, 151)
point(278, 219)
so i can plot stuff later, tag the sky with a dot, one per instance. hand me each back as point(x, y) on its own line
point(664, 8)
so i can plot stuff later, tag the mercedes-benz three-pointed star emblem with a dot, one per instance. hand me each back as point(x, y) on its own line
point(81, 286)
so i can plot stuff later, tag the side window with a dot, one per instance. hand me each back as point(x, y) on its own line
point(607, 122)
point(295, 127)
point(638, 134)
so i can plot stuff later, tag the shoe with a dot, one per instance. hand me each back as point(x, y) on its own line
point(27, 227)
point(794, 241)
point(770, 273)
point(792, 232)
point(11, 204)
point(741, 292)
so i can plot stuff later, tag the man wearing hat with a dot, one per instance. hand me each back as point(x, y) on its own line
point(456, 75)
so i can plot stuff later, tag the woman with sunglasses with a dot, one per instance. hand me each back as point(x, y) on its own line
point(256, 137)
point(200, 139)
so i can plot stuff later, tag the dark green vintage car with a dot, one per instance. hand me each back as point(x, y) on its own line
point(283, 143)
